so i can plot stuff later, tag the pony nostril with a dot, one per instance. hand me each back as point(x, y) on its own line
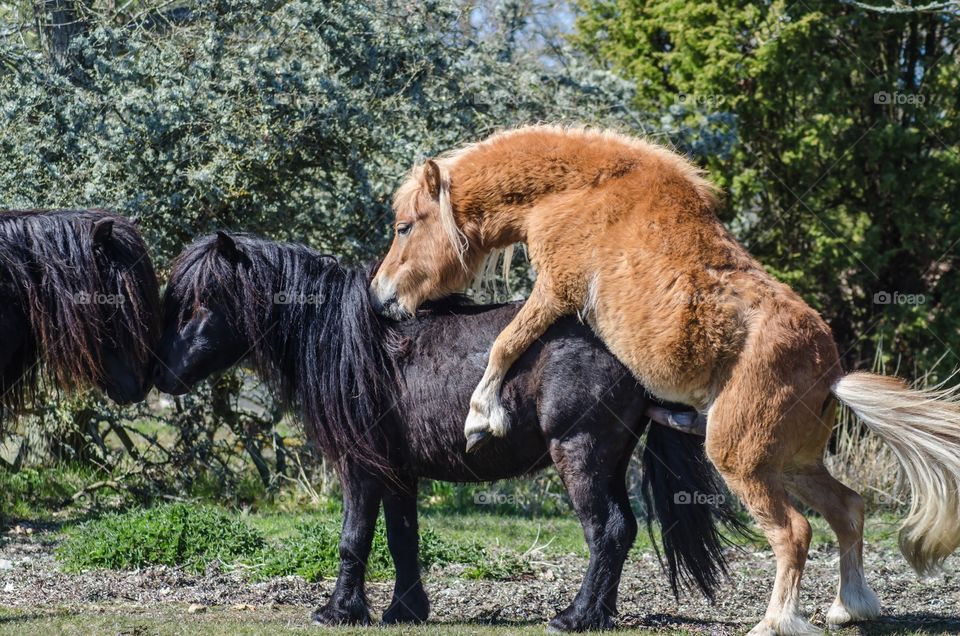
point(387, 308)
point(379, 304)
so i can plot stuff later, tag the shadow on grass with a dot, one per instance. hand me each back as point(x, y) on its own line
point(11, 616)
point(674, 621)
point(47, 530)
point(912, 623)
point(884, 626)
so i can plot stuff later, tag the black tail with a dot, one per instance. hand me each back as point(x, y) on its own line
point(686, 496)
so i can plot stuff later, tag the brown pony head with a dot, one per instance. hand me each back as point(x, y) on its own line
point(430, 256)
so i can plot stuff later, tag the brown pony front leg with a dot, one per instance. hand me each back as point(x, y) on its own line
point(487, 416)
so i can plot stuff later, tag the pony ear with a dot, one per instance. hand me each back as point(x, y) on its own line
point(101, 231)
point(227, 246)
point(432, 177)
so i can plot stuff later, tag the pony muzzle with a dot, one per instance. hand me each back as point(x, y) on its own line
point(394, 310)
point(383, 295)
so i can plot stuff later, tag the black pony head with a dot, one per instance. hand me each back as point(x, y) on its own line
point(303, 322)
point(82, 304)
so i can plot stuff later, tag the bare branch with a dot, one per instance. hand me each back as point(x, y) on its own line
point(899, 8)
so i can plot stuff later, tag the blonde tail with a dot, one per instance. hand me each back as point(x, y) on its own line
point(922, 427)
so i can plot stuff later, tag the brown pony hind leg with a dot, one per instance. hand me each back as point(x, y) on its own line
point(789, 535)
point(752, 441)
point(487, 416)
point(843, 509)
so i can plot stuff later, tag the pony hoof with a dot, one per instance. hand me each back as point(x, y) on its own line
point(477, 440)
point(332, 614)
point(787, 625)
point(413, 607)
point(569, 621)
point(854, 603)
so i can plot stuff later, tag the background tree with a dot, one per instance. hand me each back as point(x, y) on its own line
point(845, 176)
point(293, 119)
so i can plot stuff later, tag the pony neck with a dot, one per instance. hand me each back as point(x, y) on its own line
point(483, 207)
point(498, 183)
point(328, 358)
point(305, 293)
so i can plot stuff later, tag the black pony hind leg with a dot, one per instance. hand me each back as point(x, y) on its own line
point(361, 503)
point(409, 603)
point(599, 497)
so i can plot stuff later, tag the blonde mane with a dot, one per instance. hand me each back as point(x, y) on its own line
point(458, 240)
point(406, 197)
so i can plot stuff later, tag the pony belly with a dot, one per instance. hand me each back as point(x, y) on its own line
point(662, 362)
point(677, 333)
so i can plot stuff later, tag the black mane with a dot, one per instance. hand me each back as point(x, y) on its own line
point(315, 337)
point(50, 263)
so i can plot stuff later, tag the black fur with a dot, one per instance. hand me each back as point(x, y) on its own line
point(307, 329)
point(390, 401)
point(58, 270)
point(686, 496)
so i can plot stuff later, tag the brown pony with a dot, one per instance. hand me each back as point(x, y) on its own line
point(624, 232)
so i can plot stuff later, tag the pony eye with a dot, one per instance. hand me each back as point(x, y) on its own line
point(404, 228)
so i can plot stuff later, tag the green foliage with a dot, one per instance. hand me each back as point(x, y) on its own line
point(540, 495)
point(194, 536)
point(173, 534)
point(845, 173)
point(291, 119)
point(294, 119)
point(312, 551)
point(34, 493)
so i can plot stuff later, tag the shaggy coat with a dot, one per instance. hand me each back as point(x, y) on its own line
point(79, 305)
point(385, 402)
point(624, 233)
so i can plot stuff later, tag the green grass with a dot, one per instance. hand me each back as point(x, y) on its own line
point(194, 536)
point(171, 534)
point(483, 546)
point(45, 494)
point(311, 551)
point(563, 534)
point(268, 544)
point(552, 535)
point(174, 620)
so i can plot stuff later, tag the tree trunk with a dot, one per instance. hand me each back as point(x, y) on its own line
point(58, 23)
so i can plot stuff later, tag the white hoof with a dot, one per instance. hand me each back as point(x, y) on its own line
point(488, 417)
point(853, 605)
point(786, 625)
point(762, 628)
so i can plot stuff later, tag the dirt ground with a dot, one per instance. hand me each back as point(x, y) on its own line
point(32, 584)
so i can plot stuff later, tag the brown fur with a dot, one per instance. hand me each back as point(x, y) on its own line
point(625, 233)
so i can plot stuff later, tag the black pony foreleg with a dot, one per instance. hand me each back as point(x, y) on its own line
point(361, 503)
point(409, 604)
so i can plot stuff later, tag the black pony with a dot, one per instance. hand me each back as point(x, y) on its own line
point(386, 401)
point(79, 305)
